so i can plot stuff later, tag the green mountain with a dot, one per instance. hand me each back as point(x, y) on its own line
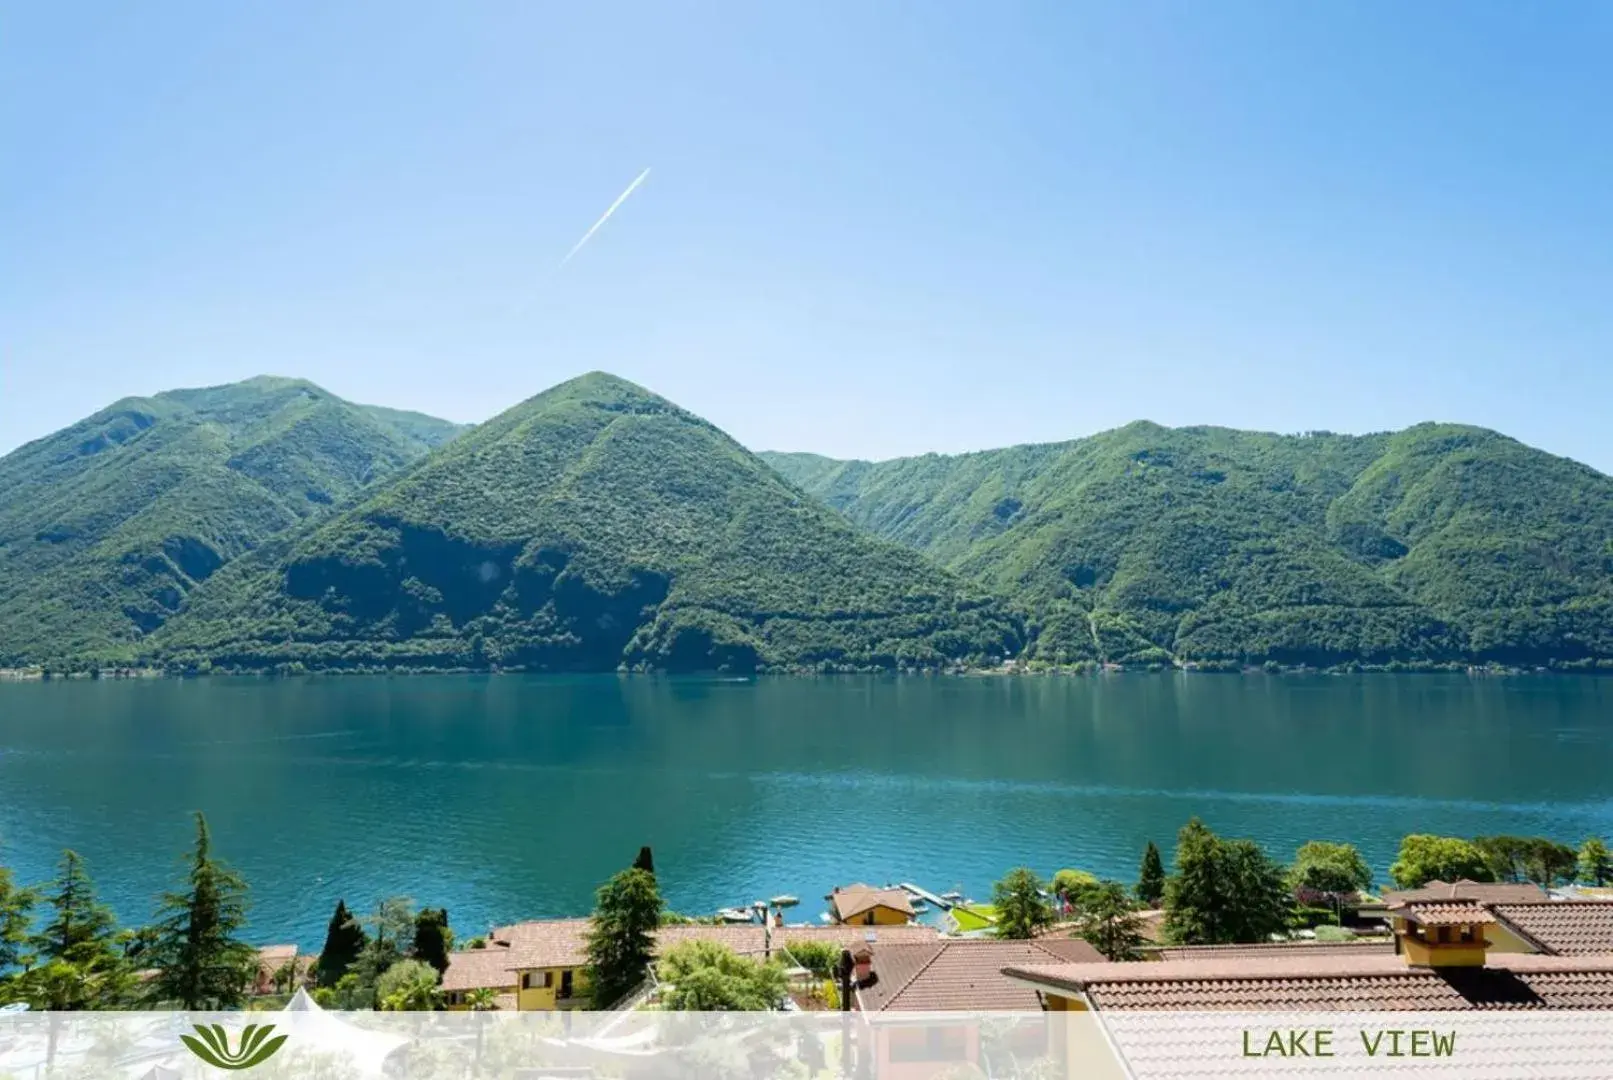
point(1436, 544)
point(107, 526)
point(594, 526)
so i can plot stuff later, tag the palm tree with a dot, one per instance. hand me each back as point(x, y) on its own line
point(483, 999)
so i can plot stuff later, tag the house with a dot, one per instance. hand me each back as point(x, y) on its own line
point(273, 962)
point(542, 964)
point(864, 905)
point(962, 975)
point(1442, 961)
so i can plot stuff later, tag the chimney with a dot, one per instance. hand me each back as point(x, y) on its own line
point(1441, 934)
point(862, 959)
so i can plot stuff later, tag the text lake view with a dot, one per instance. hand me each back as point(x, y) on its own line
point(505, 798)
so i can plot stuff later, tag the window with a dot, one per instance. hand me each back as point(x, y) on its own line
point(565, 983)
point(536, 980)
point(868, 919)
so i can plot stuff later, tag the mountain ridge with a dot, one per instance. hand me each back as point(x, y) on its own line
point(593, 526)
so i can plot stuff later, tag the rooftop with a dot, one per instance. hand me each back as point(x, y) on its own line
point(1483, 892)
point(1350, 983)
point(1438, 913)
point(854, 900)
point(1562, 927)
point(962, 974)
point(1368, 947)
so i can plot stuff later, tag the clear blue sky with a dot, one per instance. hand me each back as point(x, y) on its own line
point(870, 230)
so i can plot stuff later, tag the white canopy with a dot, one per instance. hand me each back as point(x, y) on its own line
point(314, 1028)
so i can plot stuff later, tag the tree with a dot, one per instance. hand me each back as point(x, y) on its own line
point(1335, 871)
point(201, 962)
point(408, 986)
point(1109, 922)
point(1151, 877)
point(704, 976)
point(390, 927)
point(1424, 858)
point(80, 927)
point(344, 940)
point(1223, 891)
point(433, 940)
point(1070, 886)
point(818, 957)
point(1548, 862)
point(645, 860)
point(1506, 857)
point(1021, 908)
point(482, 999)
point(621, 940)
point(16, 916)
point(1595, 865)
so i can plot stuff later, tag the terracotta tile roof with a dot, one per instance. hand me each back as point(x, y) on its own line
point(1342, 983)
point(1483, 892)
point(854, 900)
point(476, 969)
point(1432, 913)
point(962, 974)
point(1378, 947)
point(546, 943)
point(1562, 927)
point(558, 943)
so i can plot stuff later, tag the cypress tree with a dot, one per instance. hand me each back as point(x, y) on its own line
point(432, 938)
point(1151, 877)
point(645, 861)
point(201, 962)
point(344, 938)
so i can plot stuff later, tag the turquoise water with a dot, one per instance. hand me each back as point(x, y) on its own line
point(512, 797)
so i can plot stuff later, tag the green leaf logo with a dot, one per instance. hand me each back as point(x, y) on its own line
point(213, 1046)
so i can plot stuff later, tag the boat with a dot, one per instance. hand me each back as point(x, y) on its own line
point(920, 905)
point(826, 917)
point(953, 897)
point(785, 900)
point(735, 915)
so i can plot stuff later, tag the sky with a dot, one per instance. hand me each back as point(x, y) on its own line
point(870, 229)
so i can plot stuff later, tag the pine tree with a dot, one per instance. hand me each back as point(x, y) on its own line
point(201, 962)
point(1021, 908)
point(621, 942)
point(1151, 877)
point(1109, 922)
point(79, 963)
point(16, 915)
point(1595, 865)
point(1223, 891)
point(433, 940)
point(344, 940)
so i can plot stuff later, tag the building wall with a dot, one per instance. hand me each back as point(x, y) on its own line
point(1503, 940)
point(539, 989)
point(880, 915)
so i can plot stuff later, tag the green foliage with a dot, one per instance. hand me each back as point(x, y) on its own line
point(705, 976)
point(79, 962)
point(1439, 544)
point(1109, 921)
point(408, 986)
point(1151, 877)
point(200, 962)
point(344, 940)
point(1595, 864)
point(16, 917)
point(596, 526)
point(621, 940)
point(1071, 886)
point(1335, 870)
point(1334, 933)
point(1021, 908)
point(1424, 858)
point(818, 957)
point(108, 526)
point(390, 928)
point(1224, 891)
point(433, 939)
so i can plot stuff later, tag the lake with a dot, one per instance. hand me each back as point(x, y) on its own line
point(510, 797)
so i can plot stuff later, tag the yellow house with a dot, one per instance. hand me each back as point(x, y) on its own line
point(864, 905)
point(543, 964)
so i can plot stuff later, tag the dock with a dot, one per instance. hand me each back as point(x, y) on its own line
point(926, 895)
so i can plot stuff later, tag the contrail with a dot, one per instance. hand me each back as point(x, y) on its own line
point(620, 199)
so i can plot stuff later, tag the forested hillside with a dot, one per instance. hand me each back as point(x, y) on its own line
point(1437, 544)
point(107, 526)
point(594, 526)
